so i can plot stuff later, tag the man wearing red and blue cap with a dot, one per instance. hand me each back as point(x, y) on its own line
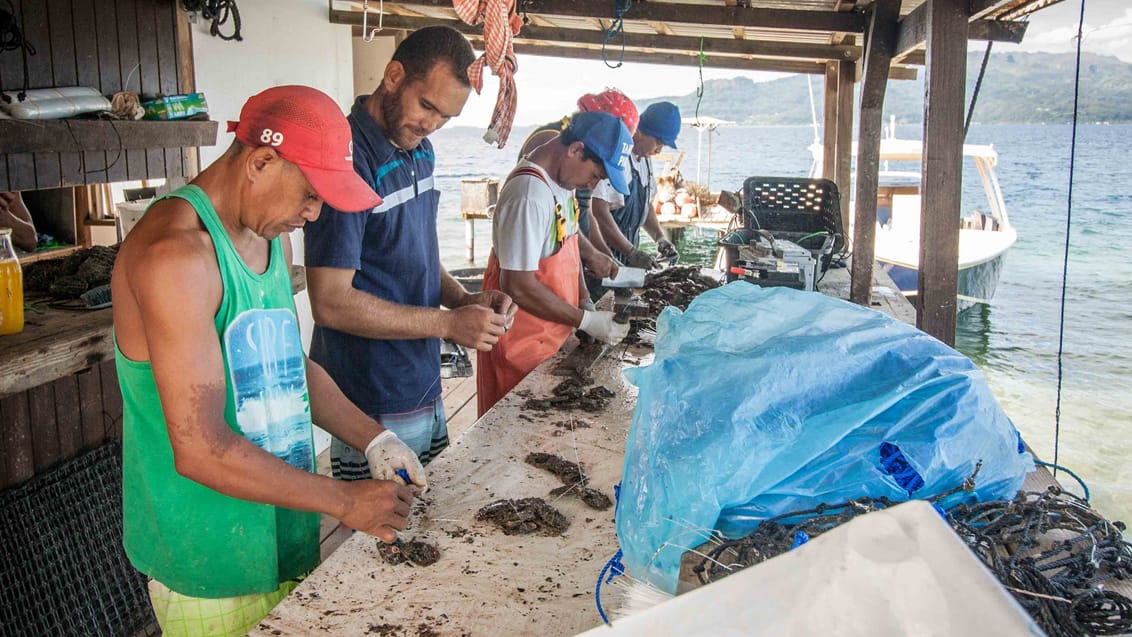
point(534, 256)
point(622, 215)
point(220, 499)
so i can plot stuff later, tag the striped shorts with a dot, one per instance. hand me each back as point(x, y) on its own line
point(425, 430)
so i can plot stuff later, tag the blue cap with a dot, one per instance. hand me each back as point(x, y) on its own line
point(605, 135)
point(662, 121)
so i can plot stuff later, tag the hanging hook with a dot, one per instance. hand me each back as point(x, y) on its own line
point(368, 37)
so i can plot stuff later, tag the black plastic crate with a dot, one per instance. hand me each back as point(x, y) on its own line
point(795, 209)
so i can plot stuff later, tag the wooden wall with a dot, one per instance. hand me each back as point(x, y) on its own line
point(57, 421)
point(111, 45)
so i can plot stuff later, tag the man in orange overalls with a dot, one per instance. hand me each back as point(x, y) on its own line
point(534, 256)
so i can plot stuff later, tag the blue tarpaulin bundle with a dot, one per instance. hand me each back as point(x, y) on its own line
point(764, 401)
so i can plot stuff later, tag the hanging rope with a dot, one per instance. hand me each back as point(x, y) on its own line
point(501, 24)
point(616, 28)
point(700, 89)
point(1068, 227)
point(978, 85)
point(12, 39)
point(218, 11)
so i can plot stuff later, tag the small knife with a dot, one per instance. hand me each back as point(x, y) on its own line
point(404, 475)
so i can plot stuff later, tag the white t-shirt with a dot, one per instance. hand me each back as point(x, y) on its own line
point(522, 227)
point(606, 192)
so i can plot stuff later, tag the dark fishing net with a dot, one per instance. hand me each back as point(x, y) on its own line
point(1049, 549)
point(63, 566)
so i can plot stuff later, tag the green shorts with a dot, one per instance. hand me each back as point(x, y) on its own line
point(183, 616)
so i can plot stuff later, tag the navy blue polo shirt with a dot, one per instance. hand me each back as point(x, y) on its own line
point(395, 253)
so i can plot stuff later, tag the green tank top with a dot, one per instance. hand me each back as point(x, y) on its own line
point(195, 540)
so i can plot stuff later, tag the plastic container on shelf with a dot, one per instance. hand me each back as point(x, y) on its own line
point(129, 213)
point(11, 286)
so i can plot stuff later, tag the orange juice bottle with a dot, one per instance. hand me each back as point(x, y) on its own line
point(11, 286)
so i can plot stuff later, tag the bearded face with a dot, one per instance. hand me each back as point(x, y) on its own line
point(412, 109)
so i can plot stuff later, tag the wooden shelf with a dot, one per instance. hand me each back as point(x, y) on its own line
point(72, 135)
point(56, 343)
point(53, 253)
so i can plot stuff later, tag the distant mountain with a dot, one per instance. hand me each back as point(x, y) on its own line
point(1017, 88)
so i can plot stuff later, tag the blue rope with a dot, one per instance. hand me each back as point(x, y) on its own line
point(893, 463)
point(617, 27)
point(614, 567)
point(1057, 467)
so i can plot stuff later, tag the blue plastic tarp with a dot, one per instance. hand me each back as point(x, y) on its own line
point(764, 401)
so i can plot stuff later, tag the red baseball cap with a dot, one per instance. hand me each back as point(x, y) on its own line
point(614, 102)
point(308, 129)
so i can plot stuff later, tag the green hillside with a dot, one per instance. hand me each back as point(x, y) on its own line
point(1017, 88)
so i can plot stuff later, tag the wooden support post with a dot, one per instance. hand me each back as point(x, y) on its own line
point(477, 201)
point(469, 217)
point(944, 88)
point(881, 40)
point(470, 239)
point(829, 123)
point(186, 83)
point(843, 174)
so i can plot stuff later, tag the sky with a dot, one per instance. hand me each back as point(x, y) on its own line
point(546, 94)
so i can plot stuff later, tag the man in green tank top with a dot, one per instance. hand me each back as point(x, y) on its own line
point(220, 498)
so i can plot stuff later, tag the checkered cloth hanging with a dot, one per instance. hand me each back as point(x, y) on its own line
point(500, 24)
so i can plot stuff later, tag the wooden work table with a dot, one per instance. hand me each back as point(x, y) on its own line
point(485, 583)
point(488, 583)
point(58, 342)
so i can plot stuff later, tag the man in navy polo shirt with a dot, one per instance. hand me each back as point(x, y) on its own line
point(375, 279)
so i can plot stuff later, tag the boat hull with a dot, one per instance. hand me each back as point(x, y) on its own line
point(977, 282)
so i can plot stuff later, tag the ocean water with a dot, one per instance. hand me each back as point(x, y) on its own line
point(1015, 339)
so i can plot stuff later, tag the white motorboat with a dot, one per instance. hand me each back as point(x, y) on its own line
point(985, 232)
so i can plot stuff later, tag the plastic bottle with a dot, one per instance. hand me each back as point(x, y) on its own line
point(11, 286)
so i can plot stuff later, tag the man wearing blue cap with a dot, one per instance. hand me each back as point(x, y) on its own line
point(534, 257)
point(622, 215)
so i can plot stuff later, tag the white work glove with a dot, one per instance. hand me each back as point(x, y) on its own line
point(640, 259)
point(386, 454)
point(601, 326)
point(588, 305)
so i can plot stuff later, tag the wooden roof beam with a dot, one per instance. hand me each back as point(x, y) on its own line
point(732, 16)
point(669, 58)
point(997, 9)
point(913, 30)
point(561, 36)
point(681, 58)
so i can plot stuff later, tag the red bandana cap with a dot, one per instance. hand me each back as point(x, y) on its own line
point(614, 102)
point(308, 129)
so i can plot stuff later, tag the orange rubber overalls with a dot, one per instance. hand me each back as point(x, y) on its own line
point(531, 340)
